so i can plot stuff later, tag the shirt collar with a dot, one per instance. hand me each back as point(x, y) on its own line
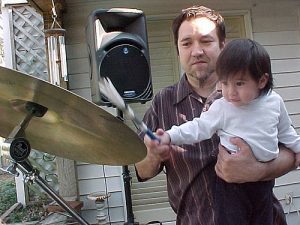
point(184, 89)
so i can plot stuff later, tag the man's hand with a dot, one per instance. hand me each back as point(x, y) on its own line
point(156, 154)
point(297, 163)
point(243, 167)
point(239, 167)
point(158, 150)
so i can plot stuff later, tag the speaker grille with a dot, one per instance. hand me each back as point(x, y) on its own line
point(128, 69)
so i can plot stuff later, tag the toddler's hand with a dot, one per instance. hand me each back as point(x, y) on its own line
point(163, 136)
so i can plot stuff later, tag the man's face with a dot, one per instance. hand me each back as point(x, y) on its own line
point(198, 47)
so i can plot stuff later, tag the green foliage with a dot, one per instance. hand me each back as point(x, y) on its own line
point(34, 211)
point(8, 195)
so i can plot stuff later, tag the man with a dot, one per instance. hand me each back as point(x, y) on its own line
point(191, 170)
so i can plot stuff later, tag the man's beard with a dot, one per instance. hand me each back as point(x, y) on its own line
point(204, 76)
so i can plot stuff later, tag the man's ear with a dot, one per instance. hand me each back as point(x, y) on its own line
point(263, 81)
point(222, 45)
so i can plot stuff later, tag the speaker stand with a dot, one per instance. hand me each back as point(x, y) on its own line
point(127, 186)
point(127, 181)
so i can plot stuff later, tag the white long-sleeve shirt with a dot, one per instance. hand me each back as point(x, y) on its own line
point(262, 124)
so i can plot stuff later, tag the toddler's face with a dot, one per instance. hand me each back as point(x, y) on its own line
point(241, 88)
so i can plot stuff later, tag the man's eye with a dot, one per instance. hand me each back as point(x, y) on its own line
point(206, 41)
point(186, 44)
point(240, 83)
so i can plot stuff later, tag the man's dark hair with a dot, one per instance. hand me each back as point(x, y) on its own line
point(197, 12)
point(242, 55)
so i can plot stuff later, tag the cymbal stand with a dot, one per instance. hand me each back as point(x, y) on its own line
point(19, 149)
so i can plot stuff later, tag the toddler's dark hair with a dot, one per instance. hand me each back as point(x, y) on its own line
point(242, 55)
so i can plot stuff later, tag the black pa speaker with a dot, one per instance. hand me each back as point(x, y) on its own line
point(118, 49)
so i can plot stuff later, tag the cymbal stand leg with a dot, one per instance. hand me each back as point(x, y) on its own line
point(32, 175)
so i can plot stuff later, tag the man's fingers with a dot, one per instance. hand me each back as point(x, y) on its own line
point(240, 143)
point(218, 170)
point(160, 131)
point(222, 157)
point(222, 152)
point(149, 142)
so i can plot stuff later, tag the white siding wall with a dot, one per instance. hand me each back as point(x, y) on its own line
point(279, 31)
point(275, 24)
point(104, 179)
point(1, 41)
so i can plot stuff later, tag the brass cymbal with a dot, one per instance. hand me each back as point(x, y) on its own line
point(72, 127)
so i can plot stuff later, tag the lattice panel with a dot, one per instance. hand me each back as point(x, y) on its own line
point(30, 57)
point(29, 42)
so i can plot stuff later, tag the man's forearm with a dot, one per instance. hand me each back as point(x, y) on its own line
point(147, 168)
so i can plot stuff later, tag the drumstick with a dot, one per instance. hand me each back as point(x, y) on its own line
point(108, 89)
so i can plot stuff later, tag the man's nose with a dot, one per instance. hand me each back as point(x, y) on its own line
point(197, 50)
